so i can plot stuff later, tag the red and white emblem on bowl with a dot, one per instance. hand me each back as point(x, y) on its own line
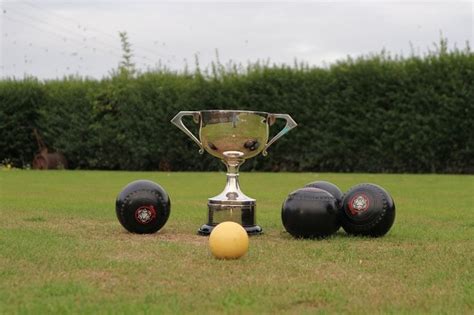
point(145, 214)
point(359, 203)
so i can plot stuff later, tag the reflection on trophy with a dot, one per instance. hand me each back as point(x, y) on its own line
point(233, 136)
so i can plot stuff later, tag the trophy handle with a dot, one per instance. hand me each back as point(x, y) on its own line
point(290, 124)
point(179, 123)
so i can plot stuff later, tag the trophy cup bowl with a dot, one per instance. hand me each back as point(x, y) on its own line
point(233, 136)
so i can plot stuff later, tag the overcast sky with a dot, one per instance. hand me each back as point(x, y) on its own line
point(50, 39)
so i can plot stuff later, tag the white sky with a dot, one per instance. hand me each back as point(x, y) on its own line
point(50, 39)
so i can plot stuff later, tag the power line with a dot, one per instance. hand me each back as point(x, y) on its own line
point(59, 35)
point(80, 37)
point(96, 30)
point(14, 42)
point(64, 37)
point(67, 33)
point(28, 59)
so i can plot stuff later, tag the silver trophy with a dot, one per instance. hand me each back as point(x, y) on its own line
point(233, 136)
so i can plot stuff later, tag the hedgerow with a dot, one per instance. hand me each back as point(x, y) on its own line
point(371, 114)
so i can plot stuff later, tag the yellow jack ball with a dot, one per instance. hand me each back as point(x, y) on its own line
point(228, 240)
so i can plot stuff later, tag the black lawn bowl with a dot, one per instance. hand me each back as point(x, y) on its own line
point(143, 207)
point(330, 188)
point(367, 210)
point(310, 213)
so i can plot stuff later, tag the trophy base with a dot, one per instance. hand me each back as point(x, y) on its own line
point(241, 212)
point(206, 229)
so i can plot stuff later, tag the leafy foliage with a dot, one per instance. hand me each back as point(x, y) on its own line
point(372, 114)
point(19, 106)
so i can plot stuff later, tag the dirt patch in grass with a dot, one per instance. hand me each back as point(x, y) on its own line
point(176, 237)
point(104, 230)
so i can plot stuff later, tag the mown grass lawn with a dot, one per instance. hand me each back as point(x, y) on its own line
point(62, 250)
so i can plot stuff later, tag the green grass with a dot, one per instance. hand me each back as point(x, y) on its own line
point(62, 249)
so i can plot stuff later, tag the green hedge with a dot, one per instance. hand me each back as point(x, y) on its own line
point(372, 114)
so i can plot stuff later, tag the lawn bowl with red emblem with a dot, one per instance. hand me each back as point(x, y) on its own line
point(367, 210)
point(143, 207)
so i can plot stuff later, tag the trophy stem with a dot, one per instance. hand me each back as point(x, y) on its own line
point(232, 188)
